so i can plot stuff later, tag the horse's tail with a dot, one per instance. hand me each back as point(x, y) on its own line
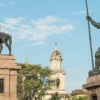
point(10, 40)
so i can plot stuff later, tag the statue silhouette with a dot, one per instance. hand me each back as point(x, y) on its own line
point(7, 40)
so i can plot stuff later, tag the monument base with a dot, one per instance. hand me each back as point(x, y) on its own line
point(93, 87)
point(8, 77)
point(94, 72)
point(10, 99)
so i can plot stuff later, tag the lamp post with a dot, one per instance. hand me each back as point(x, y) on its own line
point(32, 93)
point(23, 79)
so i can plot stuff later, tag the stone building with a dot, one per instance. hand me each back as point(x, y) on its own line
point(79, 93)
point(57, 74)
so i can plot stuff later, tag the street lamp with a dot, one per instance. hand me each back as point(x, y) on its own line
point(32, 93)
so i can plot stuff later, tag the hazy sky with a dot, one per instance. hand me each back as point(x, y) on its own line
point(36, 25)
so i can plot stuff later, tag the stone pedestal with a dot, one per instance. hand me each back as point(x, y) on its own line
point(93, 87)
point(8, 72)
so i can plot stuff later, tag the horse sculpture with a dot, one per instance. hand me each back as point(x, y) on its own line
point(7, 40)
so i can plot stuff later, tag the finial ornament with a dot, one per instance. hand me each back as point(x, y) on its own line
point(26, 62)
point(26, 59)
point(55, 45)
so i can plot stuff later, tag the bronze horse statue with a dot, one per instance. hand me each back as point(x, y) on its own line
point(7, 40)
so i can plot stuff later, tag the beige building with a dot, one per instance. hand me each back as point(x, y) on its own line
point(76, 94)
point(57, 73)
point(79, 93)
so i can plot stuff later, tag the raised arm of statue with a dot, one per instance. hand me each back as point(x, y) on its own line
point(97, 25)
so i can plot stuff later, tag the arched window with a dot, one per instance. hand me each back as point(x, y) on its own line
point(57, 83)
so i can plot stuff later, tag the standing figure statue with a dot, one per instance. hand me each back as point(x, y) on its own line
point(97, 54)
point(97, 25)
point(97, 59)
point(7, 40)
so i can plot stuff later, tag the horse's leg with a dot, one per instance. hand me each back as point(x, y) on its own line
point(1, 50)
point(1, 47)
point(8, 47)
point(10, 43)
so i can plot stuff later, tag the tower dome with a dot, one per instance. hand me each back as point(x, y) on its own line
point(56, 55)
point(56, 61)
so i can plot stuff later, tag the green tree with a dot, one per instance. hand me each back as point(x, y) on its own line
point(36, 77)
point(67, 96)
point(56, 96)
point(80, 98)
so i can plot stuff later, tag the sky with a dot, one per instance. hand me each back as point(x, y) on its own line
point(36, 25)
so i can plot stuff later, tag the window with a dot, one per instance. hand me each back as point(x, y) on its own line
point(57, 83)
point(94, 97)
point(1, 85)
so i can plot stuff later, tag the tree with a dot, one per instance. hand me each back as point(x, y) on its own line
point(80, 98)
point(36, 77)
point(56, 96)
point(67, 96)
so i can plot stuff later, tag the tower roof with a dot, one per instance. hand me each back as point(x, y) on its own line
point(55, 53)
